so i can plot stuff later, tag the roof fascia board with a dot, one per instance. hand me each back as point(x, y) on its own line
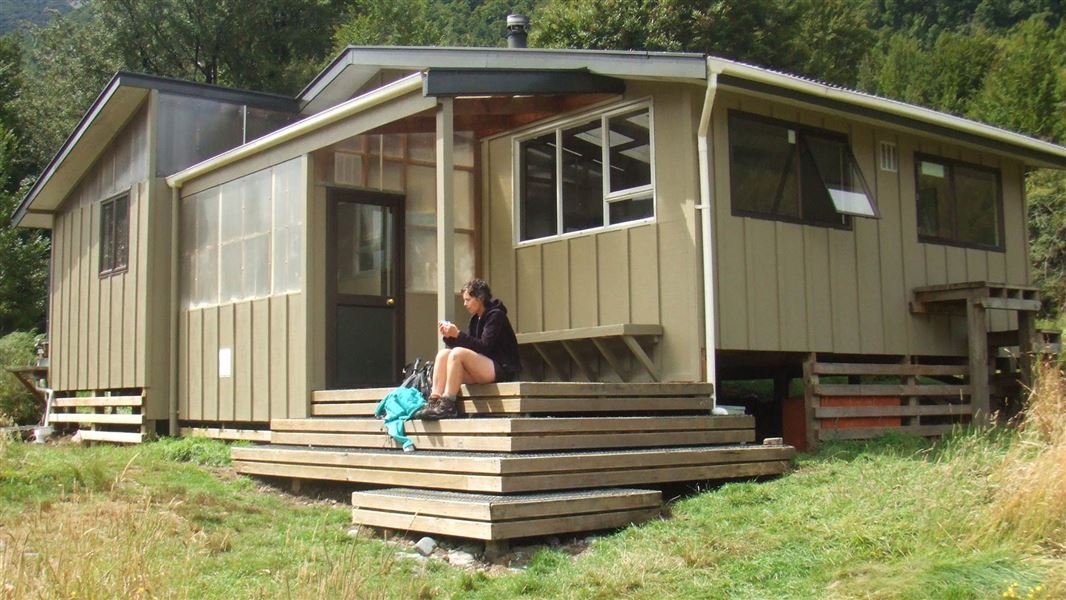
point(752, 79)
point(213, 92)
point(446, 83)
point(300, 128)
point(86, 121)
point(657, 65)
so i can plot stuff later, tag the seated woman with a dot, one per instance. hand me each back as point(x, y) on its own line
point(486, 353)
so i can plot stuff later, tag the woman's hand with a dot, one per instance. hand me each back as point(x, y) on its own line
point(448, 329)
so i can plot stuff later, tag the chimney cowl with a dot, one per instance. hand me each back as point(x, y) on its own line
point(517, 30)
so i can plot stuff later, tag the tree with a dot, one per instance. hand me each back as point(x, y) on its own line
point(387, 23)
point(945, 76)
point(1023, 90)
point(266, 45)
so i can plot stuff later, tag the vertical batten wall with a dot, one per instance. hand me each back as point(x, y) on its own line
point(97, 324)
point(647, 274)
point(791, 287)
point(265, 333)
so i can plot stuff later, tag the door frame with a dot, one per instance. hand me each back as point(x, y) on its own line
point(396, 202)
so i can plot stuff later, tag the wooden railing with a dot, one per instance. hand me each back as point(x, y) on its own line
point(922, 399)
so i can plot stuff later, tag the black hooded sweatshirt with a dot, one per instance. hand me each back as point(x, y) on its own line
point(492, 336)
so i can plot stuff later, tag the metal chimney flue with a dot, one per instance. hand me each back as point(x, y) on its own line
point(517, 31)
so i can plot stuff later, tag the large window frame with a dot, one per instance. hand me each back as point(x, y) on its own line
point(602, 115)
point(950, 165)
point(806, 171)
point(115, 234)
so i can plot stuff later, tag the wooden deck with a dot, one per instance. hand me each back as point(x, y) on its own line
point(523, 459)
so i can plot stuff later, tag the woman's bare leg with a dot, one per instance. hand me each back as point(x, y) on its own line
point(467, 366)
point(440, 371)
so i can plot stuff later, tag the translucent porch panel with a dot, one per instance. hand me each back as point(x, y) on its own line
point(405, 164)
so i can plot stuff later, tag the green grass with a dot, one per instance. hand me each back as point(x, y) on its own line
point(896, 518)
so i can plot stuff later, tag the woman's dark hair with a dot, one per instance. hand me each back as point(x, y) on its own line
point(478, 289)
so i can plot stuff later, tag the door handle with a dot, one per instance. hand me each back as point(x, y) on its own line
point(390, 302)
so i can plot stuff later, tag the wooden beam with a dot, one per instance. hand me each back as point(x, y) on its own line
point(578, 361)
point(890, 389)
point(112, 419)
point(580, 333)
point(637, 351)
point(99, 401)
point(901, 370)
point(845, 412)
point(865, 433)
point(1026, 341)
point(543, 352)
point(117, 437)
point(609, 356)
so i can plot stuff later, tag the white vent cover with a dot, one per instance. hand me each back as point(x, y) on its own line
point(889, 157)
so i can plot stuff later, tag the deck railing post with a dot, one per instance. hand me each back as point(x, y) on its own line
point(977, 334)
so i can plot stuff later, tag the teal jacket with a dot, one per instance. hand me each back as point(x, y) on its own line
point(401, 405)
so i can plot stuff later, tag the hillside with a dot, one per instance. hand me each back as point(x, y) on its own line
point(14, 14)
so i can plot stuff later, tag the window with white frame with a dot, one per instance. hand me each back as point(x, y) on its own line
point(586, 174)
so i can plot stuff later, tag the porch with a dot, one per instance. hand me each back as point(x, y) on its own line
point(524, 459)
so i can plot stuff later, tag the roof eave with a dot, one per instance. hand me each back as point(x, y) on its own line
point(1034, 152)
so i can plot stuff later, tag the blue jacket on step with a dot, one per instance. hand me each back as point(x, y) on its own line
point(398, 407)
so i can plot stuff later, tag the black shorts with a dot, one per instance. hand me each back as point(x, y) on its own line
point(503, 375)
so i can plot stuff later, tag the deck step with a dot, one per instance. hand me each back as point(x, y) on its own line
point(513, 473)
point(538, 398)
point(521, 434)
point(494, 517)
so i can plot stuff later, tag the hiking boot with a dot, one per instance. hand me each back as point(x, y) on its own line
point(429, 410)
point(445, 408)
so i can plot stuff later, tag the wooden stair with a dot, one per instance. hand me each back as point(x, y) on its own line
point(538, 398)
point(523, 459)
point(116, 419)
point(517, 434)
point(490, 517)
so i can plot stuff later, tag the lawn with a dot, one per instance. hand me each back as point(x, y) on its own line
point(980, 515)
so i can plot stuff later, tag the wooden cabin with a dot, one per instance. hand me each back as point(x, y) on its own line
point(220, 255)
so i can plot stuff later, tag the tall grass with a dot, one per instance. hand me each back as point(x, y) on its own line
point(1030, 500)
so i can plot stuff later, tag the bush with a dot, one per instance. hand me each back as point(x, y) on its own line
point(17, 349)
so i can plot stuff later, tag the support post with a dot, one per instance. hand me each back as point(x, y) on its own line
point(977, 334)
point(445, 210)
point(1026, 342)
point(810, 401)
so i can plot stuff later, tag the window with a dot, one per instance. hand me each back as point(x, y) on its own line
point(791, 173)
point(564, 186)
point(115, 234)
point(244, 239)
point(958, 203)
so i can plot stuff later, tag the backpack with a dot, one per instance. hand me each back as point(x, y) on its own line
point(418, 375)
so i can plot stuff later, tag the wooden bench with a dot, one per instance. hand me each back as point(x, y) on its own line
point(629, 334)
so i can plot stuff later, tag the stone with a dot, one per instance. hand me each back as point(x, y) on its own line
point(426, 546)
point(458, 558)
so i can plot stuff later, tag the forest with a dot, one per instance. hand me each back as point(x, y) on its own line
point(1001, 62)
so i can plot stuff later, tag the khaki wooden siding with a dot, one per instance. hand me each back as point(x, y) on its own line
point(641, 274)
point(789, 287)
point(97, 325)
point(268, 368)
